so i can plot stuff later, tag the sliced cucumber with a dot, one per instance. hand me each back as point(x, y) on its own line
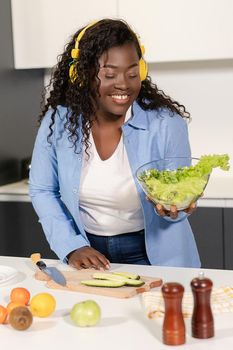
point(113, 277)
point(134, 283)
point(127, 275)
point(103, 283)
point(107, 276)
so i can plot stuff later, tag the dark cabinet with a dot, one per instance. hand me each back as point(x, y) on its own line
point(208, 228)
point(22, 235)
point(228, 237)
point(213, 230)
point(20, 232)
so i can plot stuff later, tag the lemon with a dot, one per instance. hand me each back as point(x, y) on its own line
point(42, 305)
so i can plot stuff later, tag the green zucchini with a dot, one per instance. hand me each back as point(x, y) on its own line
point(127, 275)
point(103, 283)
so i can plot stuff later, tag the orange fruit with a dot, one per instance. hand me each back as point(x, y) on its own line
point(3, 314)
point(42, 305)
point(12, 304)
point(20, 295)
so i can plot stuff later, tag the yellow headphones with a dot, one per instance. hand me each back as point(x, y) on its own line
point(143, 68)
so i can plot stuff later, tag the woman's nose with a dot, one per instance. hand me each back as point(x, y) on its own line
point(121, 82)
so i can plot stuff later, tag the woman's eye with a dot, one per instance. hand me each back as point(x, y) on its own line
point(109, 76)
point(133, 75)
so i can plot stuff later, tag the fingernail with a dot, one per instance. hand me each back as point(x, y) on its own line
point(159, 206)
point(107, 266)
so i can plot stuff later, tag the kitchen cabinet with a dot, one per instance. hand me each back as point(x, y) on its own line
point(181, 30)
point(20, 232)
point(208, 228)
point(39, 39)
point(228, 237)
point(170, 30)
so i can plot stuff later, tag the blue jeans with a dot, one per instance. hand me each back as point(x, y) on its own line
point(126, 248)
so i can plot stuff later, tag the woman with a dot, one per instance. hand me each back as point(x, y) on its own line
point(102, 120)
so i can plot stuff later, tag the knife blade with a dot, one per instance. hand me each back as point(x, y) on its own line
point(53, 272)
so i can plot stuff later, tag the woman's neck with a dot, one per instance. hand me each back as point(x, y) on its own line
point(111, 122)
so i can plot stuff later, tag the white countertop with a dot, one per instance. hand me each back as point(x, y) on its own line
point(123, 323)
point(218, 193)
point(15, 192)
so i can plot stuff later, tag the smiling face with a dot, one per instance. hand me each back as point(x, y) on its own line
point(120, 82)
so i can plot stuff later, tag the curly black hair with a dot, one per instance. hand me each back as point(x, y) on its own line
point(80, 96)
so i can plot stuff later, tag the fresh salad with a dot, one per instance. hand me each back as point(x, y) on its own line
point(184, 185)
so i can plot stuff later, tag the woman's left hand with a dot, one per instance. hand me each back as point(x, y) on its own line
point(173, 212)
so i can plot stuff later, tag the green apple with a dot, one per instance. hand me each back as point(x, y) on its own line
point(86, 313)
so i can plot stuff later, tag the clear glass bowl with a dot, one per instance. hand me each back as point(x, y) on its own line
point(179, 192)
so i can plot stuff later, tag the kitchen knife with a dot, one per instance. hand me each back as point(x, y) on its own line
point(51, 271)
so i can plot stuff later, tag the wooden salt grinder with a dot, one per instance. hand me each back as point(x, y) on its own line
point(173, 324)
point(202, 317)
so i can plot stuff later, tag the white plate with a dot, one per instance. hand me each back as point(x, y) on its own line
point(7, 273)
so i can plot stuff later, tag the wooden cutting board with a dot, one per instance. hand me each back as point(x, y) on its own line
point(74, 279)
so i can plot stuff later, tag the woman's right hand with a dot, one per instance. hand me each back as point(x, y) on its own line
point(87, 257)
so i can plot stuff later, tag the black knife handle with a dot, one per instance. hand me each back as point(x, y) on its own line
point(41, 265)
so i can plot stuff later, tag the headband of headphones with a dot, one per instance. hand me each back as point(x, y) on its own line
point(143, 69)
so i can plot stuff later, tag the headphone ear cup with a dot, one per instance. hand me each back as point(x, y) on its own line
point(143, 69)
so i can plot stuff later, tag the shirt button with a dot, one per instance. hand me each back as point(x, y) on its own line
point(79, 159)
point(75, 190)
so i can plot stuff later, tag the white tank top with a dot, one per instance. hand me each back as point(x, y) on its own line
point(109, 202)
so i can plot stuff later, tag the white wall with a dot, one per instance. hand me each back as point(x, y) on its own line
point(206, 89)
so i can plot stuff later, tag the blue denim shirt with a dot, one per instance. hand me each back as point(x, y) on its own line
point(55, 178)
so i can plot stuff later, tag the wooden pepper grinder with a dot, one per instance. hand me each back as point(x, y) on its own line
point(173, 324)
point(202, 317)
